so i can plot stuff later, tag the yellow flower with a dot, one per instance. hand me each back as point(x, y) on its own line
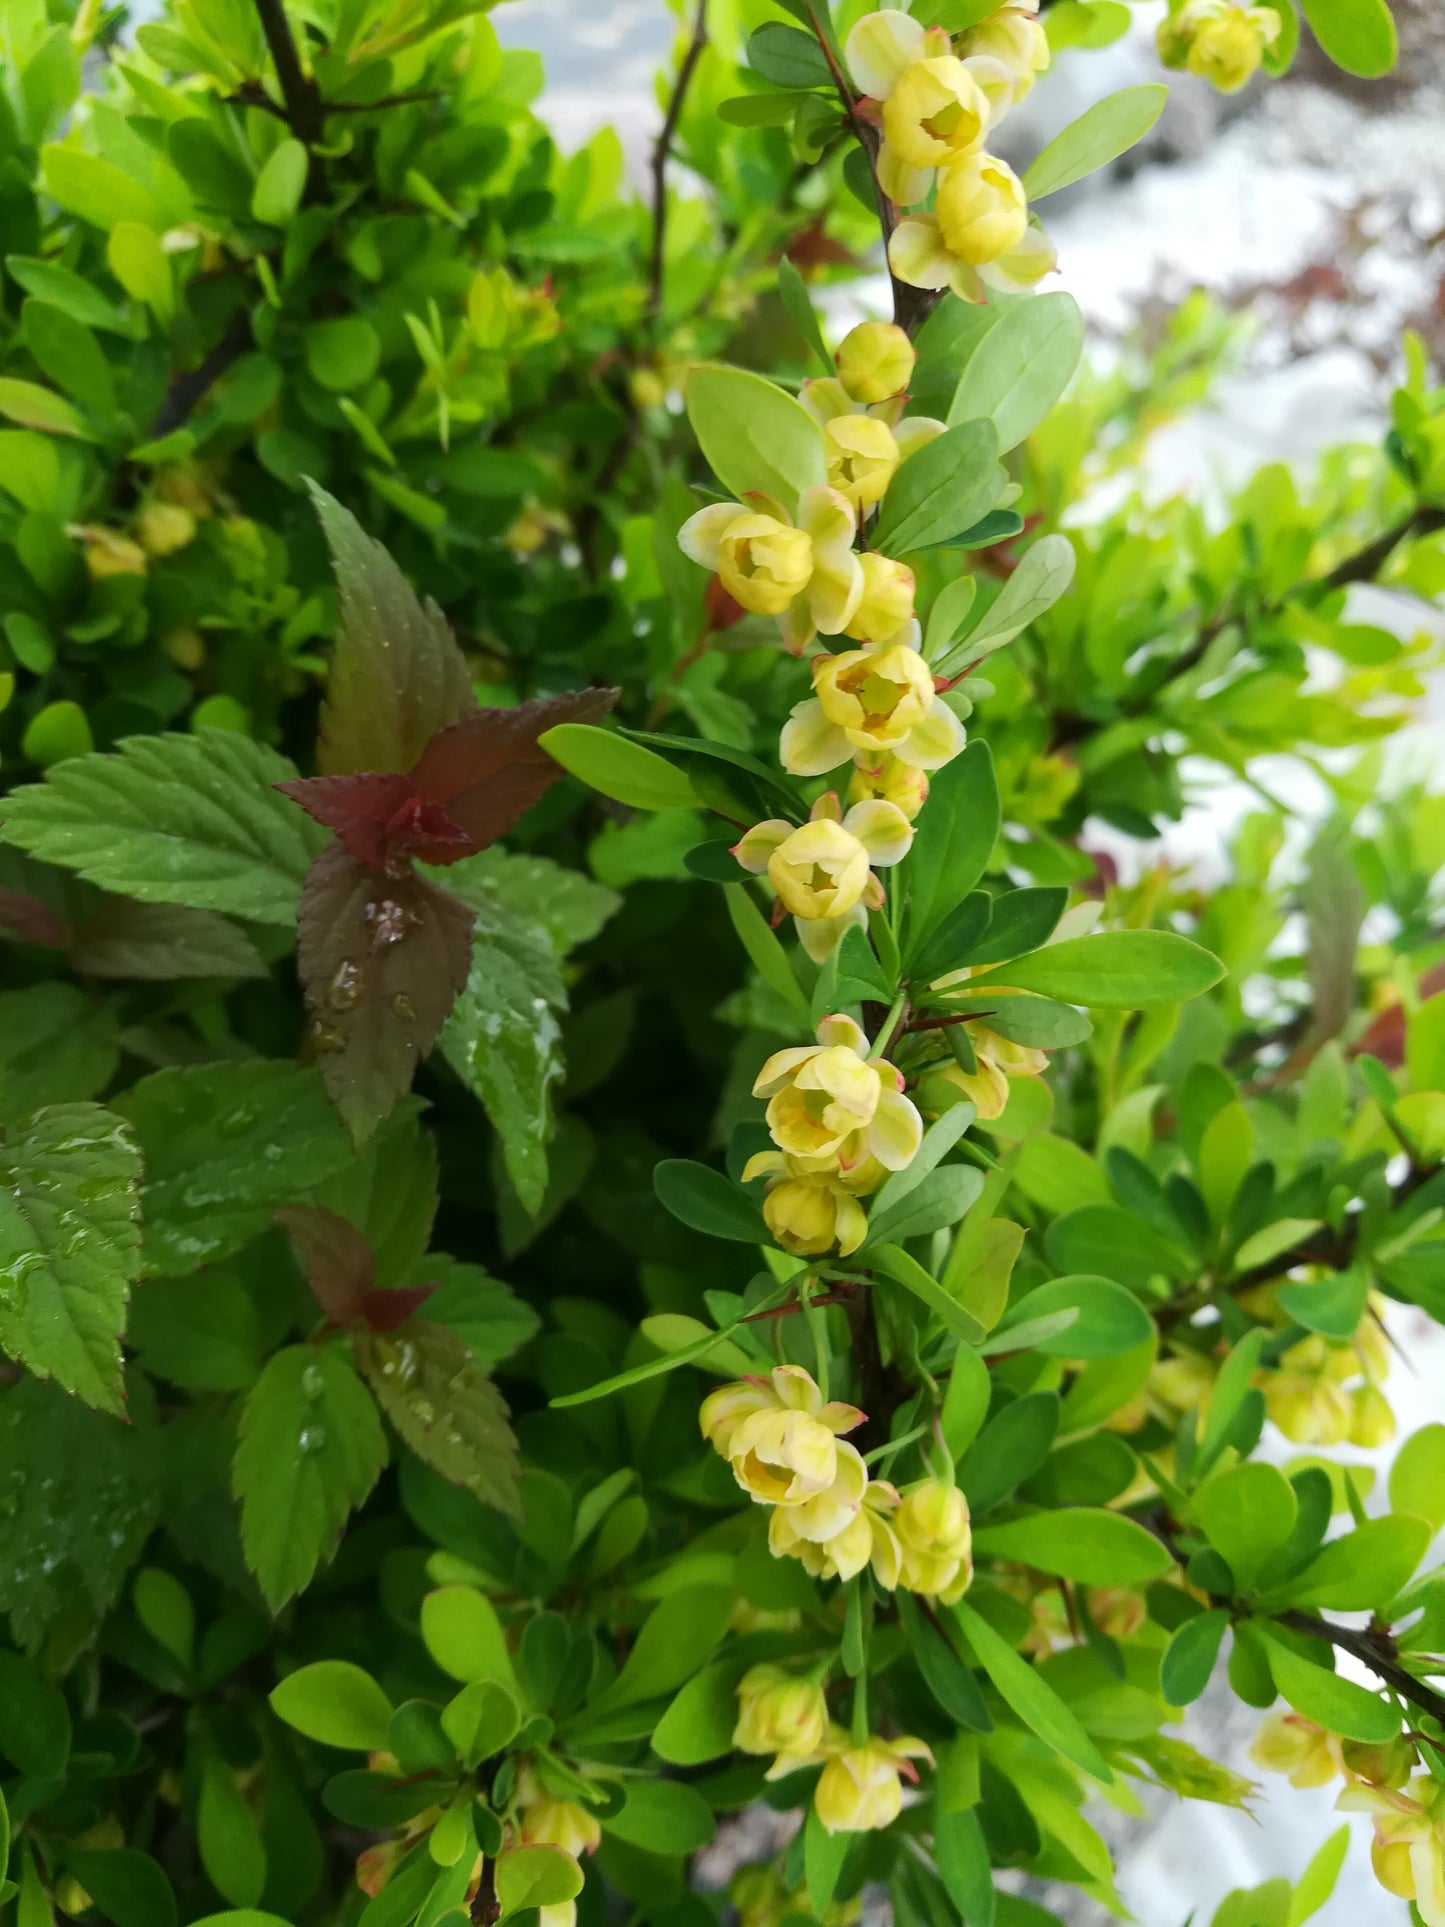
point(1289, 1743)
point(935, 112)
point(1309, 1408)
point(981, 208)
point(875, 361)
point(1219, 41)
point(781, 1714)
point(936, 1535)
point(107, 554)
point(870, 703)
point(832, 1109)
point(823, 869)
point(809, 1211)
point(884, 611)
point(868, 1538)
point(164, 527)
point(893, 780)
point(1014, 39)
point(862, 456)
point(1408, 1852)
point(1372, 1422)
point(882, 46)
point(860, 1787)
point(804, 572)
point(781, 1442)
point(549, 1822)
point(997, 1059)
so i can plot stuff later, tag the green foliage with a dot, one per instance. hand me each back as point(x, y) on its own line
point(389, 1032)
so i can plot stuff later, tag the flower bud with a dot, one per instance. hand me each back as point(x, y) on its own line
point(981, 208)
point(1373, 1423)
point(107, 554)
point(860, 1789)
point(875, 361)
point(164, 527)
point(1289, 1743)
point(935, 1533)
point(885, 608)
point(549, 1822)
point(1388, 1764)
point(894, 781)
point(778, 1713)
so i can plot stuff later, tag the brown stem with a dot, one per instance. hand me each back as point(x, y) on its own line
point(186, 391)
point(1374, 1647)
point(661, 152)
point(299, 93)
point(839, 1297)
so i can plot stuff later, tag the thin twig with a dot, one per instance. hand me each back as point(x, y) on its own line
point(188, 390)
point(661, 153)
point(299, 93)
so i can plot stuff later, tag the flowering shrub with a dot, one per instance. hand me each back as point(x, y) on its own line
point(770, 1288)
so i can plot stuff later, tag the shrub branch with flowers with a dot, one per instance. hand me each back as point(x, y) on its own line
point(428, 1494)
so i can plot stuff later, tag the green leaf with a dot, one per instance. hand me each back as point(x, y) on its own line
point(662, 1816)
point(226, 1834)
point(823, 1856)
point(1317, 1882)
point(174, 819)
point(1043, 575)
point(962, 1855)
point(536, 1877)
point(938, 1140)
point(942, 489)
point(34, 1719)
point(799, 304)
point(61, 287)
point(1362, 1571)
point(953, 844)
point(504, 1040)
point(678, 1637)
point(788, 57)
point(907, 1272)
point(126, 1886)
point(223, 1145)
point(1087, 1543)
point(698, 1724)
point(1329, 1701)
point(69, 1246)
point(1013, 1445)
point(614, 766)
point(708, 1201)
point(489, 1315)
point(280, 184)
point(564, 907)
point(481, 1720)
point(94, 189)
point(1417, 1478)
point(396, 675)
point(767, 955)
point(336, 1703)
point(205, 1340)
point(1101, 134)
point(311, 1447)
point(1106, 1238)
point(1247, 1513)
point(650, 1368)
point(951, 1683)
point(1110, 1320)
point(1059, 1174)
point(1029, 1694)
point(1332, 1306)
point(464, 1636)
point(445, 1408)
point(1231, 1387)
point(1358, 35)
point(32, 406)
point(1019, 365)
point(1190, 1655)
point(82, 1493)
point(1116, 970)
point(939, 1200)
point(139, 262)
point(158, 941)
point(341, 354)
point(754, 436)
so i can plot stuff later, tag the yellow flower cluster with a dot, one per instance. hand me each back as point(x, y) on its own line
point(823, 869)
point(786, 1448)
point(1408, 1808)
point(1219, 40)
point(860, 1787)
point(938, 98)
point(840, 1123)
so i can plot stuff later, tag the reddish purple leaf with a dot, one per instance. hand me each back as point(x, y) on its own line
point(385, 1310)
point(382, 959)
point(380, 818)
point(397, 675)
point(336, 1258)
point(488, 769)
point(31, 920)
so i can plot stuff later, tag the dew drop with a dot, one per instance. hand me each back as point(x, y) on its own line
point(403, 1007)
point(347, 984)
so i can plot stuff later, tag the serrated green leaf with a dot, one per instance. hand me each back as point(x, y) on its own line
point(69, 1246)
point(191, 820)
point(311, 1447)
point(445, 1408)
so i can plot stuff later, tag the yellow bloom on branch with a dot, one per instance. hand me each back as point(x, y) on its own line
point(935, 1532)
point(801, 570)
point(861, 1787)
point(779, 1435)
point(1288, 1743)
point(823, 869)
point(868, 1539)
point(832, 1109)
point(1218, 40)
point(780, 1713)
point(875, 361)
point(870, 703)
point(809, 1211)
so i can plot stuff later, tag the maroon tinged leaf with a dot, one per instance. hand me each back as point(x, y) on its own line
point(397, 675)
point(469, 786)
point(339, 1265)
point(382, 959)
point(32, 921)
